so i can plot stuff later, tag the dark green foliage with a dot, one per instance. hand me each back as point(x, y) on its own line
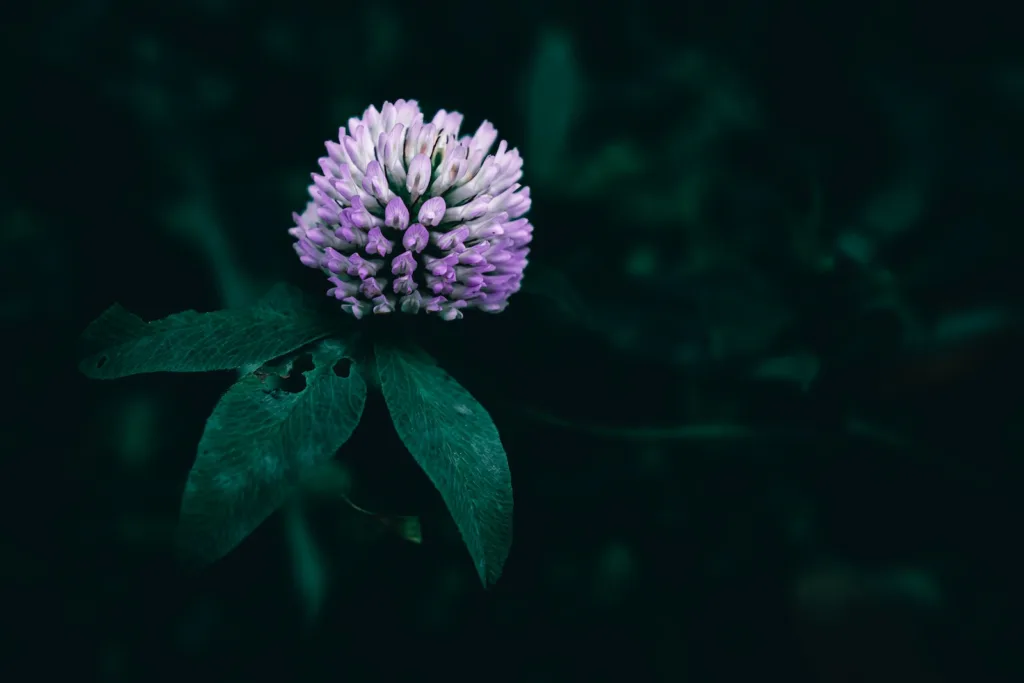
point(258, 443)
point(453, 439)
point(122, 344)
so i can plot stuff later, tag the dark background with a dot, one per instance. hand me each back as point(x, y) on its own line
point(715, 186)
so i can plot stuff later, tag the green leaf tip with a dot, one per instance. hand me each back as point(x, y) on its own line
point(121, 344)
point(258, 445)
point(452, 438)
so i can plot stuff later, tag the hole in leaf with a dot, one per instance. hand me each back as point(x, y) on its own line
point(343, 367)
point(101, 362)
point(295, 380)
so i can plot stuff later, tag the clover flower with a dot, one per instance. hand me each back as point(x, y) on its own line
point(407, 216)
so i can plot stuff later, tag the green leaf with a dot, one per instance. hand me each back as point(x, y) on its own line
point(553, 98)
point(259, 444)
point(122, 344)
point(455, 442)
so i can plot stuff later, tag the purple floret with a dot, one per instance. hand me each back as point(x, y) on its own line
point(407, 216)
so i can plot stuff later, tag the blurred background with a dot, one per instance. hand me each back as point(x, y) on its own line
point(760, 393)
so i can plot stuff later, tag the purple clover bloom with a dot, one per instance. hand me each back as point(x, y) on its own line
point(407, 216)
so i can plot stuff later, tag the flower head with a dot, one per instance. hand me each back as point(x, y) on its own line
point(408, 216)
